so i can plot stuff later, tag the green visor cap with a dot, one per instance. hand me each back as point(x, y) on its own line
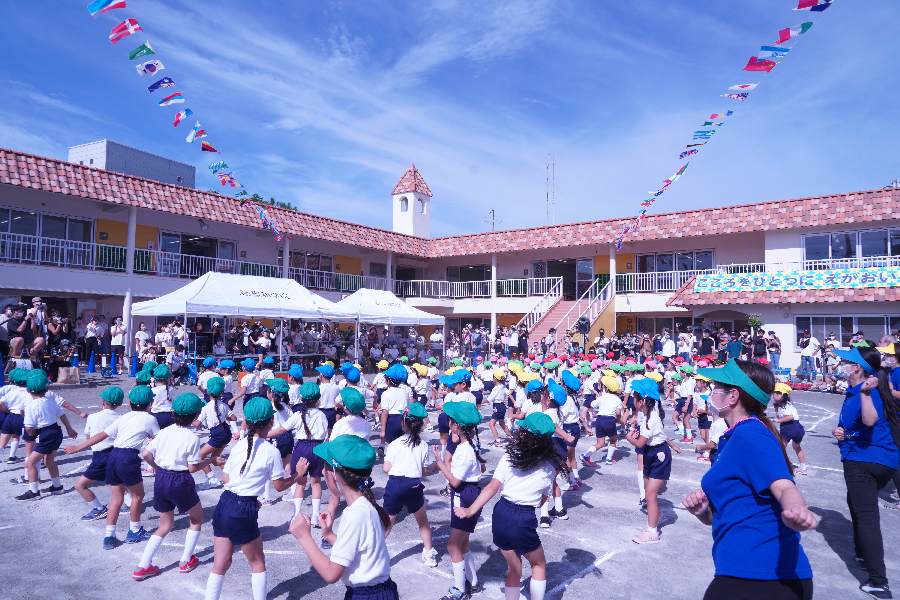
point(732, 375)
point(187, 404)
point(276, 384)
point(416, 410)
point(353, 400)
point(113, 394)
point(347, 451)
point(149, 366)
point(538, 423)
point(215, 386)
point(464, 413)
point(140, 395)
point(162, 372)
point(258, 409)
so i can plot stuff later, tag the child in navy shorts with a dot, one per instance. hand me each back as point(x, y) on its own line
point(175, 454)
point(40, 418)
point(112, 398)
point(524, 478)
point(123, 466)
point(13, 405)
point(252, 463)
point(463, 475)
point(497, 400)
point(277, 390)
point(788, 419)
point(359, 556)
point(216, 417)
point(655, 445)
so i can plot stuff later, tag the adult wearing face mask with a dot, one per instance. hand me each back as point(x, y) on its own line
point(707, 344)
point(774, 345)
point(668, 345)
point(892, 363)
point(869, 456)
point(4, 332)
point(748, 496)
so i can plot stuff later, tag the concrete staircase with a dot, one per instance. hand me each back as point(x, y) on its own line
point(553, 316)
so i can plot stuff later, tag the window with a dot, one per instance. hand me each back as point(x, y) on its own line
point(404, 204)
point(92, 161)
point(817, 247)
point(178, 179)
point(703, 260)
point(688, 260)
point(843, 245)
point(646, 263)
point(22, 222)
point(684, 261)
point(850, 246)
point(421, 206)
point(844, 326)
point(469, 273)
point(873, 243)
point(377, 269)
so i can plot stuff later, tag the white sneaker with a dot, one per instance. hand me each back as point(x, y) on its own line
point(429, 557)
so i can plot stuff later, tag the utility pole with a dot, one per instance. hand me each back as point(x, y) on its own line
point(493, 220)
point(554, 192)
point(548, 189)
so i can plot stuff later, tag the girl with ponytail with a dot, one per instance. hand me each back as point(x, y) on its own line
point(253, 462)
point(359, 556)
point(216, 417)
point(749, 496)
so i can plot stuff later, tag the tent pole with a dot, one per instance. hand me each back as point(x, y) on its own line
point(444, 345)
point(356, 342)
point(280, 336)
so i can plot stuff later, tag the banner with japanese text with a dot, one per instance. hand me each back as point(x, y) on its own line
point(871, 277)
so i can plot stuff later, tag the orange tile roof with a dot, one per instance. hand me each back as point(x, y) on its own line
point(687, 297)
point(411, 182)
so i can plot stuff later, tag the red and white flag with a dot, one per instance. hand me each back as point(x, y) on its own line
point(124, 29)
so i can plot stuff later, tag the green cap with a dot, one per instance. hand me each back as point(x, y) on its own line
point(348, 451)
point(431, 360)
point(143, 377)
point(276, 384)
point(731, 374)
point(149, 366)
point(353, 400)
point(162, 372)
point(416, 410)
point(15, 375)
point(309, 391)
point(464, 413)
point(404, 359)
point(37, 381)
point(187, 404)
point(538, 423)
point(113, 394)
point(140, 394)
point(585, 371)
point(215, 386)
point(686, 369)
point(258, 409)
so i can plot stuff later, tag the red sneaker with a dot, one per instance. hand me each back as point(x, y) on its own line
point(142, 574)
point(189, 565)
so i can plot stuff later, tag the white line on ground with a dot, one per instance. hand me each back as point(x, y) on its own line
point(596, 565)
point(7, 527)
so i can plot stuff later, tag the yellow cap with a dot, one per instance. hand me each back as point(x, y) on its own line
point(702, 378)
point(328, 362)
point(452, 370)
point(358, 366)
point(383, 364)
point(421, 370)
point(610, 383)
point(657, 377)
point(499, 374)
point(515, 367)
point(782, 388)
point(608, 372)
point(889, 349)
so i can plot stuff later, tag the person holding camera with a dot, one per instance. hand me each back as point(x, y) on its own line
point(21, 331)
point(92, 339)
point(117, 339)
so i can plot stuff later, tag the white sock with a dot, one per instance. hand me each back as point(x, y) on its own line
point(557, 503)
point(572, 477)
point(652, 530)
point(537, 588)
point(512, 593)
point(459, 575)
point(190, 542)
point(803, 466)
point(316, 509)
point(33, 487)
point(214, 586)
point(610, 451)
point(210, 476)
point(258, 581)
point(55, 482)
point(545, 509)
point(298, 506)
point(469, 562)
point(14, 448)
point(110, 531)
point(640, 477)
point(95, 503)
point(128, 499)
point(135, 526)
point(149, 550)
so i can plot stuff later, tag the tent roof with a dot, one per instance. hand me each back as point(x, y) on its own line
point(377, 306)
point(244, 296)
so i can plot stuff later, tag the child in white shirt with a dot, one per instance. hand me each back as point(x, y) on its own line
point(112, 398)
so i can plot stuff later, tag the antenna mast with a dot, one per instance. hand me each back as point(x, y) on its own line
point(554, 191)
point(548, 189)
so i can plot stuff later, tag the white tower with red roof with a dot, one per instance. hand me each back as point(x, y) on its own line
point(412, 204)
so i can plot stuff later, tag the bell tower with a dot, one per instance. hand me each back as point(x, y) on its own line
point(412, 204)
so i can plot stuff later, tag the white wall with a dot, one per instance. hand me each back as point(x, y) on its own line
point(647, 303)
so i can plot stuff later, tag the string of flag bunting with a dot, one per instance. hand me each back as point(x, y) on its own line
point(765, 60)
point(152, 67)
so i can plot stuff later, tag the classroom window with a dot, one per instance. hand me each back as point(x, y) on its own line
point(687, 260)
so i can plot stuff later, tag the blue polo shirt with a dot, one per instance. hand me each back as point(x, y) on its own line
point(750, 540)
point(895, 378)
point(863, 443)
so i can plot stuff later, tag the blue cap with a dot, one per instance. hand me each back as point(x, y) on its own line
point(208, 362)
point(645, 387)
point(249, 364)
point(352, 374)
point(326, 370)
point(397, 373)
point(446, 380)
point(462, 376)
point(296, 371)
point(346, 367)
point(535, 385)
point(571, 381)
point(853, 355)
point(558, 394)
point(227, 364)
point(269, 360)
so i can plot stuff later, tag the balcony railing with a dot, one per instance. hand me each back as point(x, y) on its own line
point(506, 288)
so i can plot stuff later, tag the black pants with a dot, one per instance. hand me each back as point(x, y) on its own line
point(895, 433)
point(863, 481)
point(91, 345)
point(735, 588)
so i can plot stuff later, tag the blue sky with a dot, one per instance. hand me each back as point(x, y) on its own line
point(324, 104)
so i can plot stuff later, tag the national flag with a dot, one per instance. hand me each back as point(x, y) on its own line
point(228, 178)
point(687, 153)
point(704, 135)
point(124, 29)
point(175, 98)
point(675, 177)
point(182, 116)
point(744, 87)
point(712, 124)
point(195, 134)
point(207, 147)
point(101, 6)
point(721, 116)
point(792, 32)
point(142, 50)
point(164, 82)
point(218, 166)
point(151, 67)
point(814, 5)
point(740, 97)
point(754, 64)
point(770, 52)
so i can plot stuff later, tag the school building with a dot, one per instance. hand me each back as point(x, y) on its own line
point(90, 241)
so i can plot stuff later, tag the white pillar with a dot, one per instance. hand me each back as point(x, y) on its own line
point(493, 295)
point(286, 259)
point(612, 278)
point(129, 270)
point(390, 274)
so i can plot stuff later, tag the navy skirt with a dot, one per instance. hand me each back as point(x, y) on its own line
point(304, 449)
point(236, 518)
point(380, 591)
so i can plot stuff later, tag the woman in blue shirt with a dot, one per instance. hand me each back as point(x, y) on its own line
point(749, 496)
point(869, 456)
point(891, 362)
